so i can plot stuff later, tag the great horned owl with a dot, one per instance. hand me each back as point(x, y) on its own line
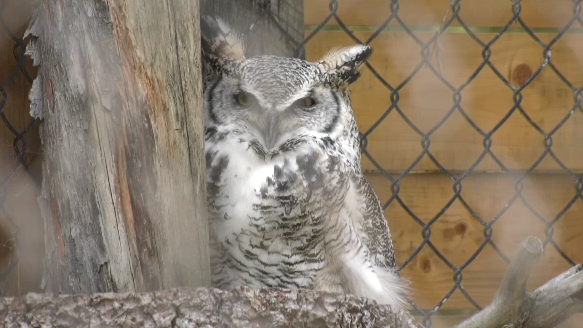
point(288, 204)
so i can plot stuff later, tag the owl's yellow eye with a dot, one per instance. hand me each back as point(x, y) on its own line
point(305, 103)
point(242, 98)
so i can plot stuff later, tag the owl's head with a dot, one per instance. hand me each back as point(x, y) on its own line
point(277, 99)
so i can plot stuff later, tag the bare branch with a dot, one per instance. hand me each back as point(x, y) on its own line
point(201, 307)
point(558, 300)
point(512, 307)
point(513, 287)
point(548, 306)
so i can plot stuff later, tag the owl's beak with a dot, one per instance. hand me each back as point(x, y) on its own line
point(271, 132)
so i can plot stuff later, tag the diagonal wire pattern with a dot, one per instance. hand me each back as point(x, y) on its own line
point(426, 50)
point(454, 19)
point(19, 145)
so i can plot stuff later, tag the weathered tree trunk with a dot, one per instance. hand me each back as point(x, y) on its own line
point(124, 191)
point(269, 27)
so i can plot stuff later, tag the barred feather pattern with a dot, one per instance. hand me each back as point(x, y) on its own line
point(299, 214)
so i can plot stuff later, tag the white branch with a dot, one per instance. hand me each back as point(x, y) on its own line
point(548, 306)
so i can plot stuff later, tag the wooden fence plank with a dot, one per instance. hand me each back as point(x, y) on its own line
point(425, 100)
point(458, 235)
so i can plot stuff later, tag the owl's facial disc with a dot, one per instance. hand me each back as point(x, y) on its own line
point(268, 126)
point(272, 121)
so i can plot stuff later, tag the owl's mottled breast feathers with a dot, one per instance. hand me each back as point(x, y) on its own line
point(288, 204)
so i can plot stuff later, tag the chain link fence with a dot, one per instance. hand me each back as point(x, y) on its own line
point(13, 131)
point(428, 49)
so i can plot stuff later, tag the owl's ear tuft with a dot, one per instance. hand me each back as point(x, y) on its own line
point(222, 46)
point(341, 66)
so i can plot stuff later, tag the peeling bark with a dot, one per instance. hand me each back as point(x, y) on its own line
point(123, 195)
point(242, 307)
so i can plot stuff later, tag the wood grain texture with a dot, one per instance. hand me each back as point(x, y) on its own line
point(458, 235)
point(124, 177)
point(474, 13)
point(425, 100)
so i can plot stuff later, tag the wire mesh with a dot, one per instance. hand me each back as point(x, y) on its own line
point(10, 236)
point(427, 49)
point(453, 19)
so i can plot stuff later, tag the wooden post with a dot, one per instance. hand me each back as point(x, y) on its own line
point(123, 194)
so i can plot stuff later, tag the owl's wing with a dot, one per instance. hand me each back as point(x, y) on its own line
point(373, 228)
point(378, 279)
